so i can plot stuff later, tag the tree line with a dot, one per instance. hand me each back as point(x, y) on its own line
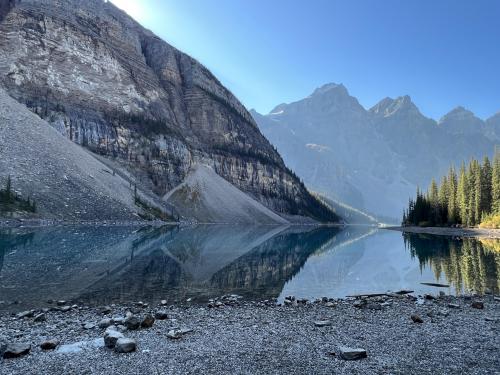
point(466, 198)
point(11, 201)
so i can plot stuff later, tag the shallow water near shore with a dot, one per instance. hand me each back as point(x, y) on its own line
point(104, 265)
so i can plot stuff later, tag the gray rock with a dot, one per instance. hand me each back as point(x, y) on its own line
point(132, 322)
point(477, 305)
point(125, 345)
point(163, 302)
point(49, 344)
point(111, 337)
point(161, 315)
point(148, 321)
point(105, 323)
point(25, 314)
point(352, 354)
point(40, 318)
point(65, 308)
point(416, 318)
point(88, 326)
point(14, 350)
point(453, 306)
point(176, 334)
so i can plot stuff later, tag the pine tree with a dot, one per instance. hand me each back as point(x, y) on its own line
point(452, 197)
point(442, 215)
point(486, 176)
point(463, 196)
point(495, 184)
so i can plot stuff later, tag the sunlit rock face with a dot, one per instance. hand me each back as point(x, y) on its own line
point(114, 87)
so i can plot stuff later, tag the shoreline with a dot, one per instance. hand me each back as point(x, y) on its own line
point(262, 337)
point(446, 231)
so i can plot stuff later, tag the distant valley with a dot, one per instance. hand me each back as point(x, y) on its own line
point(373, 159)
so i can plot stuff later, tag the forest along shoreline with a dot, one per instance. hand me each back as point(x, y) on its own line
point(390, 332)
point(449, 231)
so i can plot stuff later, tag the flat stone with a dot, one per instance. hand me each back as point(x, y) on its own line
point(105, 323)
point(88, 326)
point(65, 308)
point(15, 350)
point(477, 305)
point(111, 337)
point(176, 334)
point(125, 345)
point(148, 321)
point(416, 319)
point(352, 354)
point(49, 344)
point(322, 323)
point(25, 314)
point(61, 303)
point(161, 315)
point(453, 306)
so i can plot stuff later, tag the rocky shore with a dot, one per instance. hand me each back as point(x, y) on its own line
point(448, 231)
point(388, 333)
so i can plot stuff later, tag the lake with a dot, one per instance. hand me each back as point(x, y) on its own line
point(104, 265)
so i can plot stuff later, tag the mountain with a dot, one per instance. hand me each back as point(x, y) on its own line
point(152, 112)
point(64, 180)
point(372, 160)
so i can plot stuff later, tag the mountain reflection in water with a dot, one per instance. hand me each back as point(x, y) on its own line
point(102, 265)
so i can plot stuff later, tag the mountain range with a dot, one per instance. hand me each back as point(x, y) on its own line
point(373, 159)
point(148, 113)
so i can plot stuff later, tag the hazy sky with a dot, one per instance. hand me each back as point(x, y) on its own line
point(443, 53)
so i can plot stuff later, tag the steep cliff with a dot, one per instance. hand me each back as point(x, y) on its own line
point(114, 87)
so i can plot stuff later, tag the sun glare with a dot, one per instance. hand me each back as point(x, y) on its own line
point(132, 7)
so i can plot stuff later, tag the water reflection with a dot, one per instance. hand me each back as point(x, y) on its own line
point(102, 265)
point(468, 264)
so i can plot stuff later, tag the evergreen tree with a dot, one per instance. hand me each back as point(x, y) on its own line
point(463, 196)
point(495, 184)
point(452, 197)
point(486, 182)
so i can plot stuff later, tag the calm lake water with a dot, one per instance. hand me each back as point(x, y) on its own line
point(104, 265)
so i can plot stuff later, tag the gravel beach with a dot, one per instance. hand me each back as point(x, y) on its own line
point(400, 334)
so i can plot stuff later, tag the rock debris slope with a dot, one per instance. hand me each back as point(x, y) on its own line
point(64, 179)
point(207, 197)
point(110, 85)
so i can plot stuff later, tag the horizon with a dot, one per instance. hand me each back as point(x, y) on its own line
point(440, 54)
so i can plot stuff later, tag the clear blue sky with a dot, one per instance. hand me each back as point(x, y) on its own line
point(443, 53)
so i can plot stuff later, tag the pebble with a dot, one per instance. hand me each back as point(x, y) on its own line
point(125, 345)
point(453, 306)
point(175, 334)
point(416, 319)
point(161, 315)
point(322, 323)
point(15, 350)
point(25, 314)
point(105, 323)
point(111, 337)
point(148, 321)
point(88, 326)
point(49, 344)
point(477, 305)
point(352, 354)
point(132, 322)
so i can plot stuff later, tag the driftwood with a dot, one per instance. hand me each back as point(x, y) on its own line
point(436, 284)
point(388, 294)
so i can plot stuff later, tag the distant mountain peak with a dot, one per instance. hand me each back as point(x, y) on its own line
point(388, 106)
point(330, 88)
point(458, 113)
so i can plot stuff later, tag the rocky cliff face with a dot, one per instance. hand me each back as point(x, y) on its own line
point(114, 87)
